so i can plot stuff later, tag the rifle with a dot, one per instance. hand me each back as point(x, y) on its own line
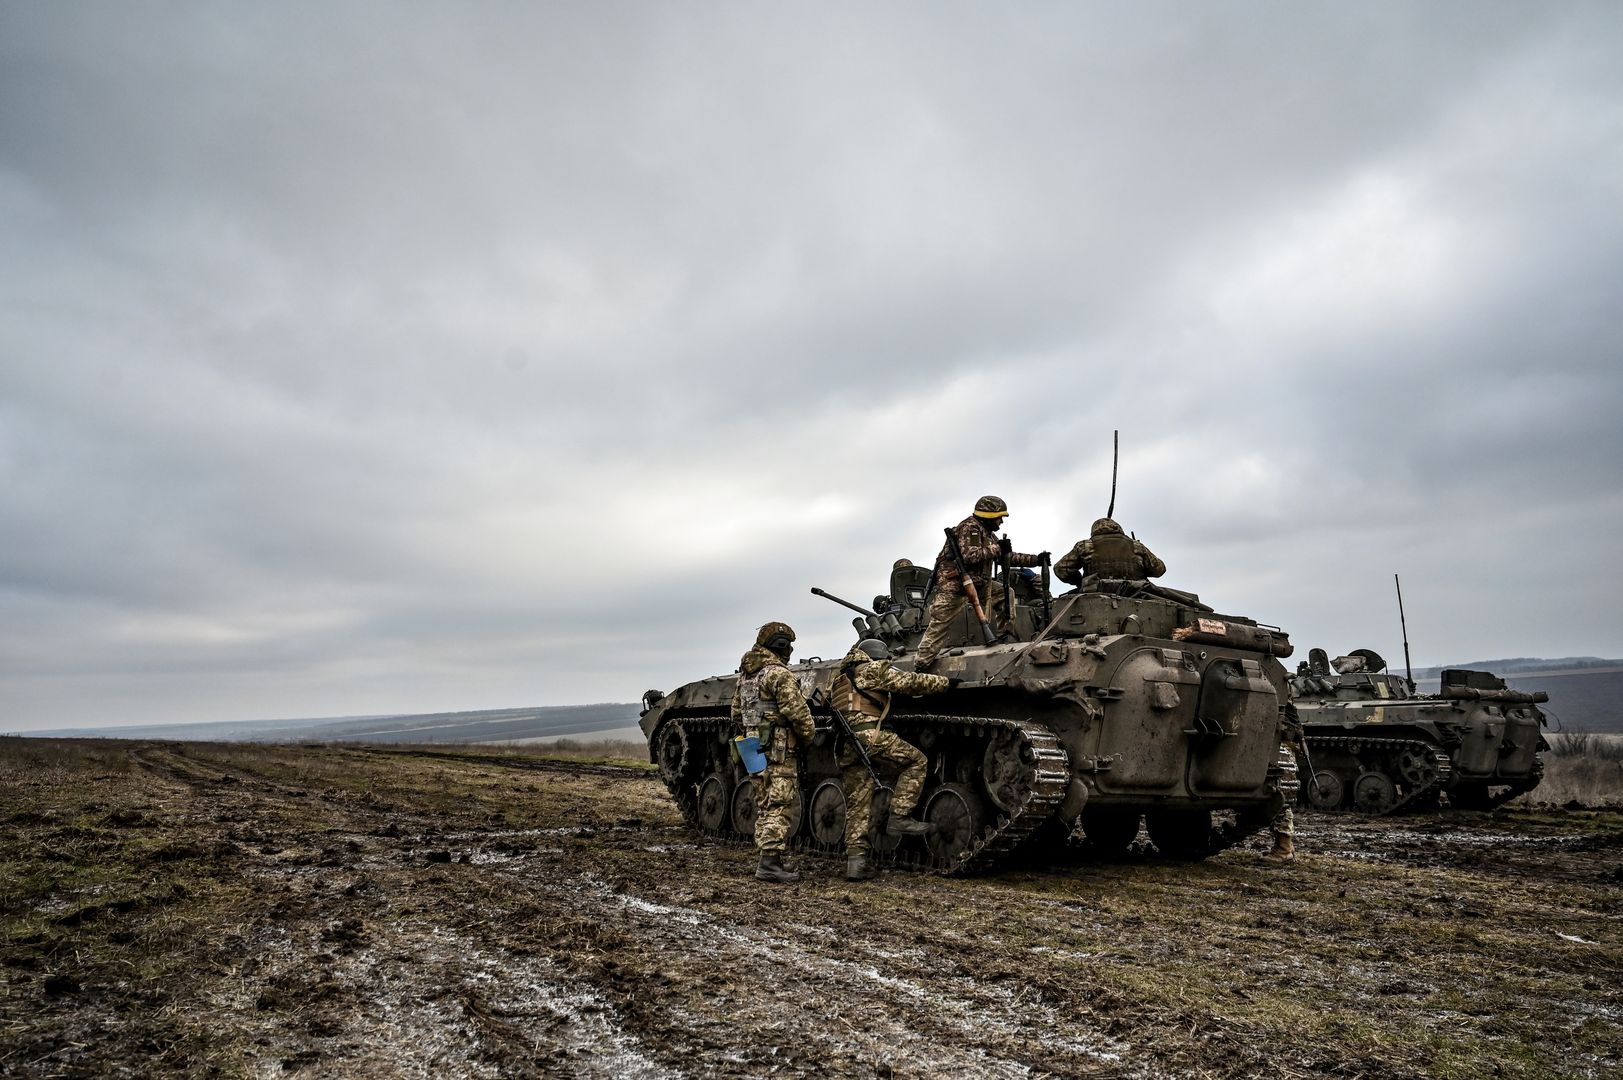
point(1005, 550)
point(1048, 602)
point(1301, 744)
point(856, 744)
point(969, 587)
point(1312, 776)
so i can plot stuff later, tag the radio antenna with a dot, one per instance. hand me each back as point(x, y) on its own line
point(1115, 456)
point(1403, 623)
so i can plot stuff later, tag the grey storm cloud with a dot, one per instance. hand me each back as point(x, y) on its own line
point(374, 358)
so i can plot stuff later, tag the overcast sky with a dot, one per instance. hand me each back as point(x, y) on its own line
point(371, 358)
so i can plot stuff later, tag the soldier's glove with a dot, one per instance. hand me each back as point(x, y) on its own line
point(823, 737)
point(1044, 556)
point(953, 682)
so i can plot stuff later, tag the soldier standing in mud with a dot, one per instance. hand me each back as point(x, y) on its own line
point(769, 702)
point(978, 543)
point(1108, 552)
point(1281, 821)
point(862, 694)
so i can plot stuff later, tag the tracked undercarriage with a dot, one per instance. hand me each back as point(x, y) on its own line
point(1378, 747)
point(1117, 706)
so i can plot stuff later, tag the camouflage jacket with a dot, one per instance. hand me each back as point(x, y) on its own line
point(863, 687)
point(1074, 564)
point(768, 695)
point(980, 549)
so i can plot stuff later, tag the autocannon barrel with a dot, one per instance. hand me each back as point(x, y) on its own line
point(1515, 697)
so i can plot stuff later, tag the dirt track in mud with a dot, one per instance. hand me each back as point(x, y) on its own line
point(279, 911)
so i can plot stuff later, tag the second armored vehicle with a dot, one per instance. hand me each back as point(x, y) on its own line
point(1378, 747)
point(1120, 703)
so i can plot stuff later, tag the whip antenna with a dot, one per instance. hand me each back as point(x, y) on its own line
point(1404, 626)
point(1115, 456)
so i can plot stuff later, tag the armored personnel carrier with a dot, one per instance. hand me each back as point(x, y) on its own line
point(1116, 704)
point(1378, 747)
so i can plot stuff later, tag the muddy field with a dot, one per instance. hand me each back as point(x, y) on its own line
point(237, 910)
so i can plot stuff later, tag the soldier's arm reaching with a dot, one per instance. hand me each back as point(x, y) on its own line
point(880, 675)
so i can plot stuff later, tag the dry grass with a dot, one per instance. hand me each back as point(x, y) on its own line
point(351, 910)
point(595, 749)
point(1582, 767)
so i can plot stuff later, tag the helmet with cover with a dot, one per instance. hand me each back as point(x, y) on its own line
point(1105, 527)
point(776, 637)
point(991, 507)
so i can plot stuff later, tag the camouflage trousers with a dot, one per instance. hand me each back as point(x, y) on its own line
point(944, 609)
point(1277, 812)
point(889, 752)
point(775, 793)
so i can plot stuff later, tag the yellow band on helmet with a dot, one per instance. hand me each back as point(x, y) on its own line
point(991, 513)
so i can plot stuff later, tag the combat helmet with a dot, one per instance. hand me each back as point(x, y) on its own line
point(777, 637)
point(991, 507)
point(1106, 527)
point(874, 648)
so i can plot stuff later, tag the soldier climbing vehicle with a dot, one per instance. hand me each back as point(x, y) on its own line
point(1119, 703)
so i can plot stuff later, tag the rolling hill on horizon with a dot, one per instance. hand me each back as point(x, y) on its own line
point(473, 726)
point(1585, 694)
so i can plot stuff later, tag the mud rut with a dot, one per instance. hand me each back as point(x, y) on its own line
point(598, 939)
point(529, 962)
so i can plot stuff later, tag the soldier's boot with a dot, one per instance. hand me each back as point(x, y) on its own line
point(906, 826)
point(1284, 848)
point(772, 869)
point(924, 664)
point(860, 868)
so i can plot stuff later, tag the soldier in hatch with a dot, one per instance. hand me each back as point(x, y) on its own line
point(862, 692)
point(769, 702)
point(979, 544)
point(1108, 552)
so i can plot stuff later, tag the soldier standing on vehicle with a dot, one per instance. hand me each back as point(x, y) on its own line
point(1108, 552)
point(769, 702)
point(862, 694)
point(978, 543)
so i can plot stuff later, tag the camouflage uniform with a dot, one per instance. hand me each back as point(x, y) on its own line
point(862, 693)
point(1074, 565)
point(768, 700)
point(1281, 820)
point(981, 550)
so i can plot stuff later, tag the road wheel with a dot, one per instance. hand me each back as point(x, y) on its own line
point(958, 815)
point(1374, 793)
point(715, 803)
point(1327, 791)
point(828, 814)
point(1181, 833)
point(744, 808)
